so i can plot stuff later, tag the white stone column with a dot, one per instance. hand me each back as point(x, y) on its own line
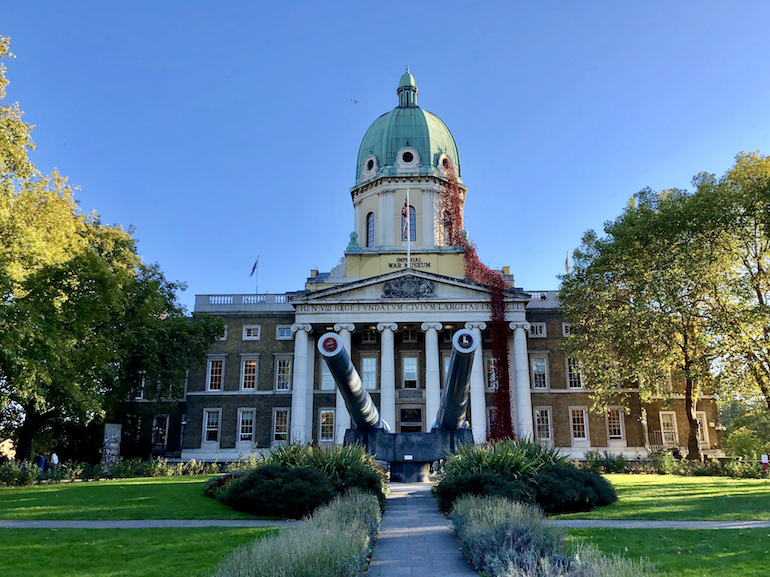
point(388, 374)
point(310, 382)
point(478, 398)
point(524, 424)
point(341, 414)
point(432, 373)
point(299, 408)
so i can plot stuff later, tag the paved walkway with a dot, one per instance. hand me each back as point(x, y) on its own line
point(415, 538)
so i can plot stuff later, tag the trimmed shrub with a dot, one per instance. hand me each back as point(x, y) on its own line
point(512, 458)
point(563, 488)
point(506, 539)
point(485, 484)
point(215, 485)
point(606, 463)
point(278, 491)
point(335, 541)
point(19, 473)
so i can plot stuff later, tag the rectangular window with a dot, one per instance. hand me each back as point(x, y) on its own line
point(537, 331)
point(211, 418)
point(251, 332)
point(410, 335)
point(703, 432)
point(246, 427)
point(280, 425)
point(249, 374)
point(283, 333)
point(159, 432)
point(579, 422)
point(668, 429)
point(282, 374)
point(565, 329)
point(223, 336)
point(491, 414)
point(369, 372)
point(369, 336)
point(539, 372)
point(410, 372)
point(574, 374)
point(614, 423)
point(326, 426)
point(491, 373)
point(327, 380)
point(140, 392)
point(543, 424)
point(216, 372)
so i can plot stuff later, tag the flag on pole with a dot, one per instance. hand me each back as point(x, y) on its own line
point(254, 268)
point(405, 229)
point(566, 264)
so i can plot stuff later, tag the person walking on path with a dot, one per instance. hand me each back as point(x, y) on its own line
point(415, 539)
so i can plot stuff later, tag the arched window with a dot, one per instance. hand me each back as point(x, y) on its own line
point(412, 226)
point(370, 229)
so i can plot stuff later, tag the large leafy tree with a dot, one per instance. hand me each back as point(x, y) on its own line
point(641, 297)
point(82, 319)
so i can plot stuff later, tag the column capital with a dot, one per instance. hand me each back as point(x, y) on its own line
point(392, 326)
point(519, 325)
point(482, 326)
point(301, 327)
point(427, 326)
point(345, 327)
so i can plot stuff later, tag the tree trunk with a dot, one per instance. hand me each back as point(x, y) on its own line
point(33, 422)
point(693, 450)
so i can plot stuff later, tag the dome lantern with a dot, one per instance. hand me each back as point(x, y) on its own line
point(407, 90)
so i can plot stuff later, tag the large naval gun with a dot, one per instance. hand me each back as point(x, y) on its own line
point(409, 454)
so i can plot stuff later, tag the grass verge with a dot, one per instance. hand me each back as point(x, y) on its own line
point(687, 552)
point(118, 552)
point(675, 498)
point(118, 499)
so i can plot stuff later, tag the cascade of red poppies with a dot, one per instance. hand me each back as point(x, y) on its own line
point(476, 271)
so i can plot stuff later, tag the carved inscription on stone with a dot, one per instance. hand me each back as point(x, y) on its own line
point(409, 287)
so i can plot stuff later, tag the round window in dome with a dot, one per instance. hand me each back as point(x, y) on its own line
point(370, 164)
point(407, 157)
point(446, 163)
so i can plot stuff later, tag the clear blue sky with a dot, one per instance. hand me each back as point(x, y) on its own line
point(223, 131)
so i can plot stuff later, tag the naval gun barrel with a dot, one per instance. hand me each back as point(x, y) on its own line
point(454, 400)
point(363, 413)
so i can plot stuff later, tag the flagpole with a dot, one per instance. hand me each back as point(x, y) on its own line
point(256, 290)
point(408, 233)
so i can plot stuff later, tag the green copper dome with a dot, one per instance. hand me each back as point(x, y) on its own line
point(406, 127)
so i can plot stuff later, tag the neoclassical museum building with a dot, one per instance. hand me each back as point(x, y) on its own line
point(396, 298)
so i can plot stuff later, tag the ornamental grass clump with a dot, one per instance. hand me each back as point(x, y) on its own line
point(335, 542)
point(515, 458)
point(506, 539)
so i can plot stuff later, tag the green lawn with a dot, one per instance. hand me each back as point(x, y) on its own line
point(675, 498)
point(688, 552)
point(140, 498)
point(118, 552)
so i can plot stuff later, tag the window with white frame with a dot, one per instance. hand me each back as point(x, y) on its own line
point(326, 425)
point(280, 425)
point(579, 424)
point(215, 373)
point(666, 385)
point(615, 429)
point(327, 380)
point(410, 372)
point(537, 331)
point(491, 416)
point(369, 372)
point(251, 332)
point(410, 335)
point(565, 329)
point(283, 373)
point(283, 333)
point(369, 336)
point(574, 374)
point(211, 423)
point(249, 371)
point(543, 431)
point(246, 425)
point(412, 225)
point(223, 336)
point(703, 431)
point(160, 432)
point(491, 372)
point(369, 230)
point(139, 395)
point(668, 429)
point(539, 368)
